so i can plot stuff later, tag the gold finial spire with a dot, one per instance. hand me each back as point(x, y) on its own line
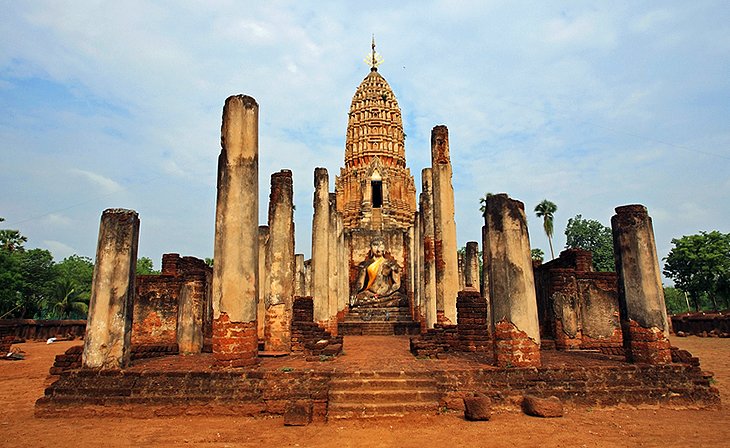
point(373, 59)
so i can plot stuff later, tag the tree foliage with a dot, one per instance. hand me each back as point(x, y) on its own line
point(537, 254)
point(546, 210)
point(146, 267)
point(33, 286)
point(589, 234)
point(700, 265)
point(483, 204)
point(675, 301)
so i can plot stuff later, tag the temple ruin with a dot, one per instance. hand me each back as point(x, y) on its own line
point(263, 330)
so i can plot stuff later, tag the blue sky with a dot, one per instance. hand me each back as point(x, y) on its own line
point(589, 104)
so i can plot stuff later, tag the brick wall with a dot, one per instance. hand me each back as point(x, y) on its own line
point(156, 305)
point(578, 308)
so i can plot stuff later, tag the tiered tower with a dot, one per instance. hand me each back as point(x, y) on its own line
point(375, 190)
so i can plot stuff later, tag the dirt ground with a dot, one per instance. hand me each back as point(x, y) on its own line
point(22, 382)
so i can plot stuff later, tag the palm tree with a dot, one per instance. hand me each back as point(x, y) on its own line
point(546, 210)
point(66, 300)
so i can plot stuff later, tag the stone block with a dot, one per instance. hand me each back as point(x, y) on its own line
point(477, 409)
point(542, 407)
point(298, 413)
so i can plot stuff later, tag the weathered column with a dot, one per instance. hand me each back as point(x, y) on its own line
point(430, 301)
point(263, 280)
point(190, 315)
point(447, 269)
point(641, 296)
point(320, 246)
point(485, 277)
point(343, 287)
point(511, 284)
point(236, 251)
point(308, 278)
point(471, 265)
point(333, 266)
point(280, 263)
point(108, 327)
point(460, 263)
point(416, 265)
point(300, 288)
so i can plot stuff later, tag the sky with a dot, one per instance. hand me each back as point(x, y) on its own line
point(591, 105)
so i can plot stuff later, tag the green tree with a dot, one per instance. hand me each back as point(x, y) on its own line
point(589, 234)
point(79, 271)
point(546, 210)
point(700, 265)
point(146, 267)
point(66, 301)
point(11, 240)
point(675, 300)
point(209, 261)
point(537, 254)
point(483, 204)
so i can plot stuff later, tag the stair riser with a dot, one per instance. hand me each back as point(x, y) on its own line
point(373, 397)
point(383, 384)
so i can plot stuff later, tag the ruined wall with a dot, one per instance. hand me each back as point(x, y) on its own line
point(577, 308)
point(157, 300)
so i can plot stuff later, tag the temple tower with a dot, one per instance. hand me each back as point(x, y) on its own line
point(376, 198)
point(375, 190)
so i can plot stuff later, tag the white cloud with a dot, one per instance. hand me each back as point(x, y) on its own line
point(59, 249)
point(106, 184)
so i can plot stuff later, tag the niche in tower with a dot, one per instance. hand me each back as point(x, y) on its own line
point(376, 187)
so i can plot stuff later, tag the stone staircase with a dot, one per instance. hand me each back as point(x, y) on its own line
point(386, 321)
point(382, 394)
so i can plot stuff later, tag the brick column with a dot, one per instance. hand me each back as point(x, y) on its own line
point(299, 275)
point(511, 284)
point(485, 276)
point(190, 315)
point(263, 280)
point(280, 263)
point(236, 250)
point(320, 246)
point(447, 270)
point(109, 324)
point(308, 278)
point(332, 266)
point(460, 261)
point(429, 256)
point(641, 296)
point(471, 265)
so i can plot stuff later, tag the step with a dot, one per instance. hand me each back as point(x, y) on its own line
point(372, 410)
point(383, 396)
point(379, 384)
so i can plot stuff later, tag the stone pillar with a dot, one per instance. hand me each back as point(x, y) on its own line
point(236, 251)
point(460, 263)
point(447, 269)
point(320, 246)
point(471, 265)
point(108, 327)
point(308, 278)
point(190, 315)
point(416, 265)
point(333, 266)
point(280, 263)
point(430, 302)
point(511, 284)
point(343, 287)
point(263, 280)
point(485, 276)
point(300, 288)
point(641, 296)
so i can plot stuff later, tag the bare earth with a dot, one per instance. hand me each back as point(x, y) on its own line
point(22, 382)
